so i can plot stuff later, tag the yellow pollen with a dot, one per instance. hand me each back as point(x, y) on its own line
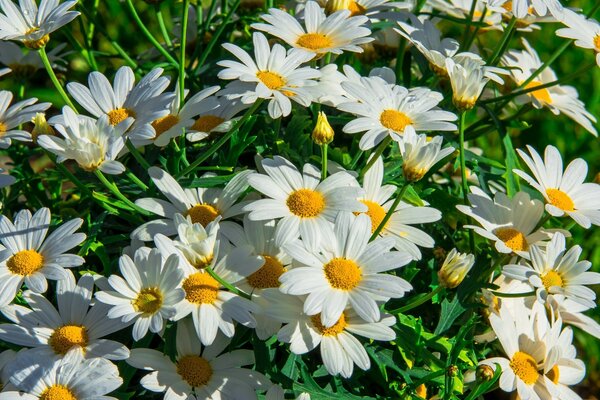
point(597, 43)
point(203, 214)
point(542, 95)
point(554, 374)
point(334, 330)
point(271, 80)
point(314, 41)
point(207, 123)
point(525, 367)
point(119, 115)
point(57, 392)
point(201, 288)
point(342, 273)
point(552, 278)
point(67, 337)
point(375, 212)
point(25, 262)
point(149, 300)
point(507, 6)
point(268, 275)
point(413, 174)
point(356, 9)
point(165, 123)
point(195, 370)
point(36, 44)
point(560, 199)
point(305, 203)
point(512, 238)
point(395, 120)
point(3, 128)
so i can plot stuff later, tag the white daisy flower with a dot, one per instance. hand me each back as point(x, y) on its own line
point(373, 9)
point(218, 120)
point(202, 205)
point(345, 271)
point(93, 144)
point(69, 378)
point(197, 373)
point(148, 293)
point(27, 255)
point(455, 267)
point(320, 34)
point(572, 313)
point(557, 271)
point(75, 326)
point(11, 117)
point(558, 98)
point(305, 205)
point(585, 31)
point(142, 104)
point(275, 75)
point(32, 25)
point(521, 8)
point(391, 110)
point(25, 63)
point(564, 192)
point(420, 153)
point(468, 77)
point(339, 349)
point(509, 223)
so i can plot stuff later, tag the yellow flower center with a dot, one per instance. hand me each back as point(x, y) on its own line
point(305, 203)
point(314, 41)
point(552, 278)
point(25, 262)
point(37, 43)
point(356, 9)
point(525, 367)
point(375, 212)
point(268, 275)
point(271, 80)
point(412, 173)
point(201, 288)
point(507, 6)
point(342, 273)
point(207, 123)
point(119, 115)
point(395, 120)
point(542, 95)
point(66, 337)
point(149, 300)
point(334, 330)
point(57, 392)
point(3, 128)
point(512, 238)
point(195, 370)
point(554, 374)
point(165, 123)
point(560, 199)
point(597, 43)
point(203, 214)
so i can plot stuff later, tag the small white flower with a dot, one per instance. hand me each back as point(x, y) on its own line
point(585, 31)
point(420, 154)
point(24, 63)
point(455, 267)
point(15, 115)
point(521, 8)
point(468, 77)
point(218, 120)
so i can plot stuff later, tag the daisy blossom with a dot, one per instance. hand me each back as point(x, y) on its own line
point(585, 31)
point(276, 75)
point(199, 373)
point(455, 267)
point(24, 63)
point(11, 117)
point(304, 203)
point(218, 120)
point(320, 34)
point(148, 294)
point(27, 255)
point(419, 154)
point(565, 192)
point(521, 8)
point(572, 313)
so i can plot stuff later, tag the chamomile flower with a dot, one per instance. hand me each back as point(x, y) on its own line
point(218, 120)
point(304, 204)
point(556, 270)
point(28, 256)
point(572, 313)
point(24, 63)
point(373, 9)
point(320, 34)
point(585, 31)
point(565, 192)
point(558, 98)
point(275, 75)
point(454, 269)
point(390, 110)
point(148, 292)
point(31, 25)
point(419, 154)
point(69, 378)
point(468, 78)
point(199, 373)
point(93, 144)
point(202, 205)
point(345, 271)
point(74, 327)
point(11, 117)
point(521, 8)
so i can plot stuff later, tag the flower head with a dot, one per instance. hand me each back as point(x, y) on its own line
point(454, 269)
point(420, 154)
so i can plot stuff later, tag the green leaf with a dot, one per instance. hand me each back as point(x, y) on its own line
point(450, 311)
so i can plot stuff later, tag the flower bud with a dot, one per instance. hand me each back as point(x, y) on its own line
point(485, 373)
point(41, 126)
point(323, 132)
point(455, 268)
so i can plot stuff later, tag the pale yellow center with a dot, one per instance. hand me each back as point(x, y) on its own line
point(314, 41)
point(268, 275)
point(395, 120)
point(57, 392)
point(25, 262)
point(207, 123)
point(305, 203)
point(203, 214)
point(342, 273)
point(67, 337)
point(542, 95)
point(560, 199)
point(597, 43)
point(334, 330)
point(3, 128)
point(271, 80)
point(356, 9)
point(554, 374)
point(525, 367)
point(165, 123)
point(375, 212)
point(148, 301)
point(119, 115)
point(512, 238)
point(195, 370)
point(201, 288)
point(552, 278)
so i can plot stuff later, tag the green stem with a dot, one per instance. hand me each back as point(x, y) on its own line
point(324, 161)
point(136, 180)
point(418, 301)
point(380, 149)
point(463, 171)
point(115, 190)
point(227, 284)
point(388, 215)
point(469, 22)
point(500, 294)
point(184, 24)
point(400, 59)
point(136, 154)
point(54, 79)
point(508, 33)
point(161, 23)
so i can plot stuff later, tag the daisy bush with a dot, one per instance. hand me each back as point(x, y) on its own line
point(299, 199)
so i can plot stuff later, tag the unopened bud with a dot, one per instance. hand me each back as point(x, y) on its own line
point(452, 371)
point(421, 391)
point(455, 268)
point(323, 132)
point(485, 373)
point(41, 126)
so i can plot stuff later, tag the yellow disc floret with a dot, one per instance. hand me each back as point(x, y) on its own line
point(271, 80)
point(119, 115)
point(268, 275)
point(512, 238)
point(375, 212)
point(201, 288)
point(148, 301)
point(306, 203)
point(165, 123)
point(203, 214)
point(552, 278)
point(314, 41)
point(542, 95)
point(525, 367)
point(560, 199)
point(66, 337)
point(195, 370)
point(57, 392)
point(25, 262)
point(333, 330)
point(207, 123)
point(342, 273)
point(395, 120)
